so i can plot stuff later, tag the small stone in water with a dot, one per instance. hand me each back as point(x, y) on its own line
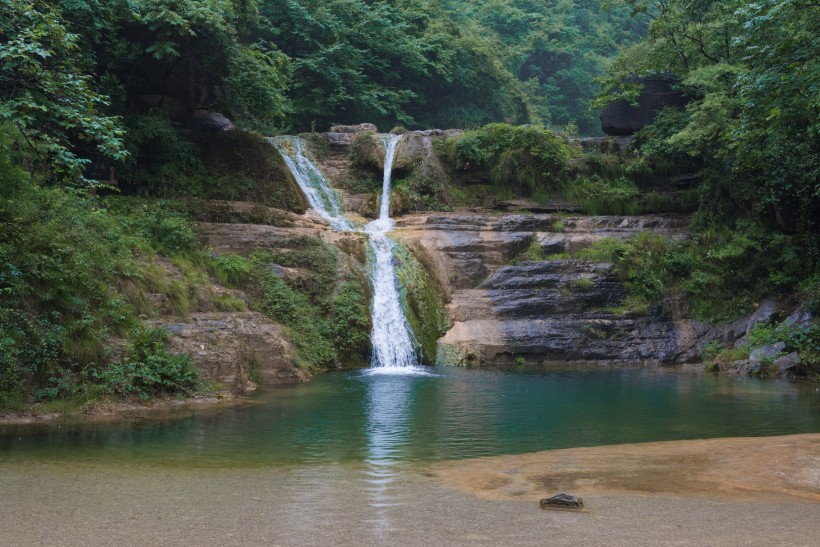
point(562, 500)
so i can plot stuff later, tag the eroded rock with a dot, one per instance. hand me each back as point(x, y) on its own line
point(766, 354)
point(234, 349)
point(788, 364)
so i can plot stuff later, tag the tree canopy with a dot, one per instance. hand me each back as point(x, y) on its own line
point(752, 73)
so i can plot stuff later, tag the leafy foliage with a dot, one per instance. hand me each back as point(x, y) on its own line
point(46, 90)
point(752, 73)
point(525, 158)
point(149, 369)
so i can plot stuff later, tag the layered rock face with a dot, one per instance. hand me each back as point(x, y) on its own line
point(504, 310)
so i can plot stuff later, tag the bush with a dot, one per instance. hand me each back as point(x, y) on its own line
point(351, 320)
point(149, 369)
point(600, 196)
point(523, 157)
point(309, 329)
point(230, 269)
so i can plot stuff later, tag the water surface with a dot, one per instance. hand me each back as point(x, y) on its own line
point(450, 413)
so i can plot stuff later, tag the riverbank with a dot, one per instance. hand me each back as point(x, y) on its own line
point(106, 504)
point(159, 408)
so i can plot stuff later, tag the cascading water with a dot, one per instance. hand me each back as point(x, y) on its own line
point(313, 183)
point(394, 349)
point(392, 338)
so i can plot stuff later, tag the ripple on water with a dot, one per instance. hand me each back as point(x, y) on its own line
point(384, 417)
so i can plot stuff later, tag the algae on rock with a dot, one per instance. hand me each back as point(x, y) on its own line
point(422, 300)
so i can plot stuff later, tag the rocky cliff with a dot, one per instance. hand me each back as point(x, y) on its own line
point(505, 309)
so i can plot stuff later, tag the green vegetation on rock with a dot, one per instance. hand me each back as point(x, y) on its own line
point(422, 300)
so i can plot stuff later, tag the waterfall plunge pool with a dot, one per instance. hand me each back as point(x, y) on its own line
point(443, 413)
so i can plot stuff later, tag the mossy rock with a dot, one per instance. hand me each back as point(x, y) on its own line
point(243, 166)
point(422, 300)
point(367, 152)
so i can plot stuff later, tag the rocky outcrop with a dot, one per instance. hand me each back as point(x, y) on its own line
point(358, 128)
point(621, 118)
point(204, 120)
point(505, 310)
point(236, 350)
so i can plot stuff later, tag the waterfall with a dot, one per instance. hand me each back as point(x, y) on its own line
point(392, 338)
point(394, 349)
point(313, 183)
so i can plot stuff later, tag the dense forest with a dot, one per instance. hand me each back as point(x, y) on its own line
point(122, 81)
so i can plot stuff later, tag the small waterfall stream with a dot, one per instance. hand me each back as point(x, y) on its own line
point(313, 183)
point(392, 338)
point(394, 349)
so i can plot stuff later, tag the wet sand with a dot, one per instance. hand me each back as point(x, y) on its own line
point(635, 495)
point(733, 469)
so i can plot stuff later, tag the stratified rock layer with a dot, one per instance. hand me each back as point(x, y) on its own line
point(504, 309)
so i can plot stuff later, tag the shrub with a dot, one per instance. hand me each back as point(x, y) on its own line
point(230, 269)
point(351, 319)
point(600, 196)
point(309, 330)
point(523, 157)
point(149, 369)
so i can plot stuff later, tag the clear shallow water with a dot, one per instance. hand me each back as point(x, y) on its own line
point(386, 419)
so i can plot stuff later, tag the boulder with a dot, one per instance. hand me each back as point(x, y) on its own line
point(766, 353)
point(788, 364)
point(621, 118)
point(562, 501)
point(235, 349)
point(767, 311)
point(799, 317)
point(205, 120)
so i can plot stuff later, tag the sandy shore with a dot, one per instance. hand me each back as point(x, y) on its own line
point(734, 469)
point(635, 495)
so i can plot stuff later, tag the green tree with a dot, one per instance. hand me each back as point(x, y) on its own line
point(47, 92)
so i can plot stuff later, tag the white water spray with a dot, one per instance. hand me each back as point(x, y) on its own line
point(393, 346)
point(394, 350)
point(313, 183)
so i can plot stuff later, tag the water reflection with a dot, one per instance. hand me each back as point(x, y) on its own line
point(389, 407)
point(381, 421)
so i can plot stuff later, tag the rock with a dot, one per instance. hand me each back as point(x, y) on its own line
point(205, 120)
point(743, 366)
point(767, 353)
point(621, 118)
point(789, 363)
point(360, 128)
point(562, 501)
point(503, 306)
point(603, 145)
point(799, 317)
point(767, 311)
point(231, 348)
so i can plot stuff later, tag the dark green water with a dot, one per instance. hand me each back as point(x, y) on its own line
point(352, 417)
